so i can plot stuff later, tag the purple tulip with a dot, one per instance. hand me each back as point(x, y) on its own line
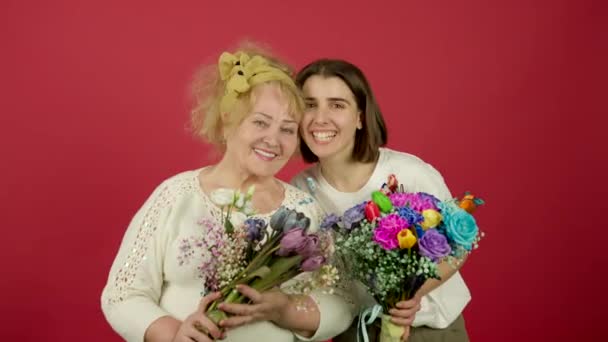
point(313, 263)
point(293, 240)
point(310, 247)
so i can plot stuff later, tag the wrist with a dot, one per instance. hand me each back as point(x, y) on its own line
point(283, 311)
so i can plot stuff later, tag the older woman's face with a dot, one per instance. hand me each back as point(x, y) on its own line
point(268, 136)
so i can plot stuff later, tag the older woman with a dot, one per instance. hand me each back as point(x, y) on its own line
point(251, 110)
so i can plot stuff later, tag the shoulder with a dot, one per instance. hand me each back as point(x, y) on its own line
point(173, 188)
point(305, 180)
point(403, 161)
point(415, 173)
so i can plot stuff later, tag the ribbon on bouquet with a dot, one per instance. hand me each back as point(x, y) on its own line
point(367, 317)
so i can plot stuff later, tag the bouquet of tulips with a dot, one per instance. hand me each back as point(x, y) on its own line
point(394, 242)
point(257, 253)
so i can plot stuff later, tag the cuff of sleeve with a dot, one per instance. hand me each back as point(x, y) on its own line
point(130, 319)
point(335, 314)
point(442, 306)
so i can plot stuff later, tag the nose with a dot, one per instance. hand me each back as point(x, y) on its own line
point(320, 116)
point(271, 138)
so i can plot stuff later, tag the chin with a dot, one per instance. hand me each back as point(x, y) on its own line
point(263, 172)
point(323, 151)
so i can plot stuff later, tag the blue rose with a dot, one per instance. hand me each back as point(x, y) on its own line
point(410, 215)
point(460, 226)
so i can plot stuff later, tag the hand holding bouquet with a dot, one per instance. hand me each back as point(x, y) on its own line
point(256, 253)
point(394, 242)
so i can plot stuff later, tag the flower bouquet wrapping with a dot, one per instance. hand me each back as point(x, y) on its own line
point(394, 242)
point(251, 251)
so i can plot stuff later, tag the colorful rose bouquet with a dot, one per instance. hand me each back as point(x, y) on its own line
point(248, 250)
point(394, 242)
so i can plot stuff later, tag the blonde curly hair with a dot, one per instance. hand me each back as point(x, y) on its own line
point(208, 88)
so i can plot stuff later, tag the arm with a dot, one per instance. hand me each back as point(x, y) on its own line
point(436, 310)
point(130, 298)
point(163, 329)
point(297, 313)
point(196, 327)
point(317, 315)
point(313, 317)
point(446, 271)
point(433, 183)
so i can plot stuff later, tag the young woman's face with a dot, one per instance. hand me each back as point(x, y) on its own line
point(331, 117)
point(268, 136)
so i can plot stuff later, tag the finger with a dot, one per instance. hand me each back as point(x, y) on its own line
point(194, 335)
point(205, 326)
point(407, 304)
point(236, 321)
point(406, 334)
point(250, 293)
point(208, 299)
point(402, 313)
point(404, 322)
point(239, 309)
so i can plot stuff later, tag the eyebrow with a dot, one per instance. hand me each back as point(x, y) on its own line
point(334, 99)
point(271, 118)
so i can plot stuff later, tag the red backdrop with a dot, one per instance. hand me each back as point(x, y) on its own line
point(503, 97)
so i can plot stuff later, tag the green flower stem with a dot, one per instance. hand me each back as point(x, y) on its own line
point(278, 271)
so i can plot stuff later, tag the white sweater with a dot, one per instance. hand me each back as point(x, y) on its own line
point(442, 305)
point(156, 273)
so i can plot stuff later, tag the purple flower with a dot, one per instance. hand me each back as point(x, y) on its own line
point(255, 228)
point(418, 201)
point(434, 245)
point(310, 246)
point(353, 215)
point(388, 227)
point(329, 221)
point(312, 263)
point(430, 200)
point(410, 215)
point(293, 240)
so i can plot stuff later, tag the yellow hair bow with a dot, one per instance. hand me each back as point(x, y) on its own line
point(241, 72)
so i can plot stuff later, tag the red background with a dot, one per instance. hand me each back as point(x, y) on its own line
point(503, 97)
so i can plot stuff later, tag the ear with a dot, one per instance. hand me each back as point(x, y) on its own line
point(360, 121)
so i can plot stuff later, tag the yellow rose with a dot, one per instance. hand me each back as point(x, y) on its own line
point(432, 218)
point(406, 239)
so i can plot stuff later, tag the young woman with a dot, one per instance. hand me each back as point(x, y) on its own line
point(343, 133)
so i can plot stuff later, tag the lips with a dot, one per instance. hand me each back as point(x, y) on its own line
point(323, 136)
point(264, 154)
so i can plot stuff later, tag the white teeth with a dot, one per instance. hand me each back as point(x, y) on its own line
point(264, 153)
point(324, 136)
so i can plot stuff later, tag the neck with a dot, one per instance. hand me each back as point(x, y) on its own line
point(335, 168)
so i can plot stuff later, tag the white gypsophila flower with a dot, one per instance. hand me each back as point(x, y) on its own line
point(222, 197)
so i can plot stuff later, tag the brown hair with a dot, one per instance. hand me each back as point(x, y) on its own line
point(373, 133)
